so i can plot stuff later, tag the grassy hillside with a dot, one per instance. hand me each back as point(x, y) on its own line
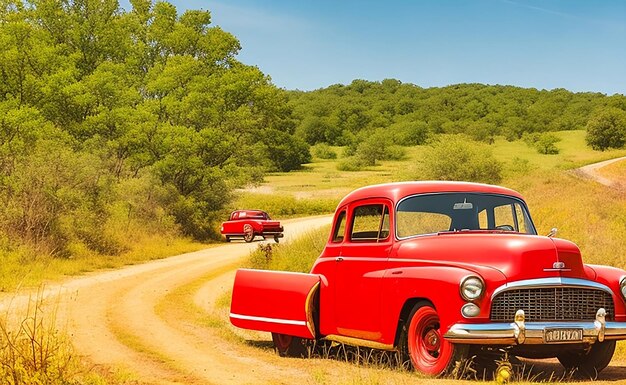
point(322, 179)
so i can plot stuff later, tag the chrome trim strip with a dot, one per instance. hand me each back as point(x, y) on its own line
point(281, 272)
point(557, 269)
point(265, 319)
point(504, 333)
point(551, 282)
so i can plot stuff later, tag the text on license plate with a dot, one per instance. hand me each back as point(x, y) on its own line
point(561, 335)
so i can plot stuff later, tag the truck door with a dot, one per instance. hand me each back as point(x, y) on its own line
point(360, 267)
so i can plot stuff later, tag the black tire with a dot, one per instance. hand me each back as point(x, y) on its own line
point(589, 363)
point(227, 238)
point(442, 356)
point(276, 238)
point(248, 233)
point(289, 346)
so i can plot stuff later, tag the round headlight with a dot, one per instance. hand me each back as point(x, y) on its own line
point(622, 286)
point(472, 288)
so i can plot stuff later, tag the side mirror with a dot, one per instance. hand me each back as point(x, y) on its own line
point(552, 232)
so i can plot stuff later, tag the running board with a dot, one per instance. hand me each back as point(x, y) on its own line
point(359, 342)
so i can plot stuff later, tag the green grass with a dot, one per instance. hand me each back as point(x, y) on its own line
point(285, 205)
point(322, 180)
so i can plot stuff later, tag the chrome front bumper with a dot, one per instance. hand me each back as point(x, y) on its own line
point(520, 332)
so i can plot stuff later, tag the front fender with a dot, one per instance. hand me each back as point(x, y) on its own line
point(437, 284)
point(611, 276)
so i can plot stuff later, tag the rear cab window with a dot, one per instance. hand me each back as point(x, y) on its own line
point(370, 223)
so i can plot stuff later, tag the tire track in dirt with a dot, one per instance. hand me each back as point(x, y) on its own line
point(115, 322)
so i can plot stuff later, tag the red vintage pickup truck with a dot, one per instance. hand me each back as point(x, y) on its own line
point(248, 224)
point(439, 271)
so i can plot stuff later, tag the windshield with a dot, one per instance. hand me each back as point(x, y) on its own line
point(434, 213)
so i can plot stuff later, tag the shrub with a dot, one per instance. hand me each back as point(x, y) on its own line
point(547, 144)
point(456, 158)
point(323, 151)
point(350, 164)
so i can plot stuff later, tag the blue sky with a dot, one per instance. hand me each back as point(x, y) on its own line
point(546, 44)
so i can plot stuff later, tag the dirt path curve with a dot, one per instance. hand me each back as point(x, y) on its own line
point(116, 319)
point(591, 171)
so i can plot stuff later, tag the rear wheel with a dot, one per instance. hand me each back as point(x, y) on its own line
point(424, 346)
point(248, 233)
point(288, 346)
point(589, 363)
point(227, 238)
point(276, 238)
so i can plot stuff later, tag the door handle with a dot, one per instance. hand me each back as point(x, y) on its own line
point(396, 272)
point(338, 259)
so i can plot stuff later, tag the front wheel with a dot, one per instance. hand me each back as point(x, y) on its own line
point(288, 346)
point(423, 345)
point(276, 238)
point(589, 363)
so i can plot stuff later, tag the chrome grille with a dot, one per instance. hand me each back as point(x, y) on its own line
point(552, 304)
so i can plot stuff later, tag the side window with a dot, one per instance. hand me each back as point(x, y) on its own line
point(521, 219)
point(340, 227)
point(370, 223)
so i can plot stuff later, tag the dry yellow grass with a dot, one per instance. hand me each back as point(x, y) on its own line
point(615, 171)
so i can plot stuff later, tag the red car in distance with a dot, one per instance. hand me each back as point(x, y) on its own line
point(248, 224)
point(441, 272)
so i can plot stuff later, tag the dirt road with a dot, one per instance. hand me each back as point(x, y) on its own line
point(137, 320)
point(591, 171)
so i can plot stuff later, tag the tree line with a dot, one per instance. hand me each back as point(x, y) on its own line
point(406, 114)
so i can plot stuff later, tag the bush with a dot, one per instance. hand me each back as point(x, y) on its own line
point(547, 144)
point(323, 151)
point(456, 158)
point(350, 164)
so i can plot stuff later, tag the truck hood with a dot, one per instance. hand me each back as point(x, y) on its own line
point(516, 256)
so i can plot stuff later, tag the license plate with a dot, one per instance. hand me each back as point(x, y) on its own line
point(563, 335)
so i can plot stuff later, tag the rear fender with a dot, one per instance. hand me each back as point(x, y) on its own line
point(274, 301)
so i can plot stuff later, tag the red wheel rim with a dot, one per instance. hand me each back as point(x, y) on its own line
point(248, 233)
point(430, 352)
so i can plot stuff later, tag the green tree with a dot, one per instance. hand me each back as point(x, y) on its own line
point(606, 129)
